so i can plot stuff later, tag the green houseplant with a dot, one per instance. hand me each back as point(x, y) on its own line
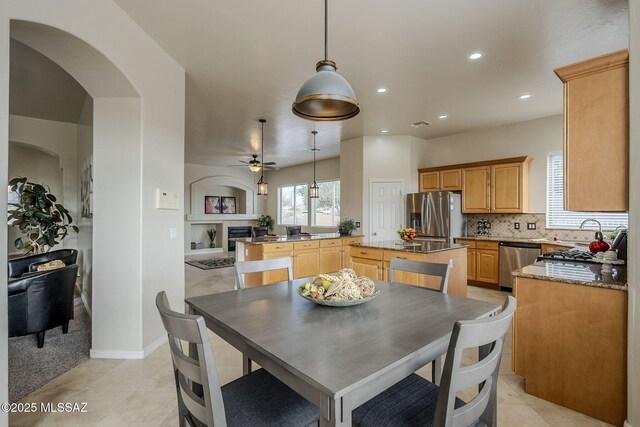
point(266, 221)
point(42, 222)
point(346, 227)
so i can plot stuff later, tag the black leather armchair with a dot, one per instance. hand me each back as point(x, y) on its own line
point(40, 301)
point(19, 266)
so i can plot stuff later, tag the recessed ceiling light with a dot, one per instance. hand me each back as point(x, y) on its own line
point(525, 96)
point(384, 131)
point(443, 116)
point(382, 90)
point(476, 55)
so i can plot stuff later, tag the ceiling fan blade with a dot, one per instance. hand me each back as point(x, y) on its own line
point(236, 166)
point(269, 163)
point(242, 161)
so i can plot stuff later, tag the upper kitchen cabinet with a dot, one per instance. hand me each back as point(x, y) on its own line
point(476, 195)
point(596, 133)
point(444, 180)
point(510, 187)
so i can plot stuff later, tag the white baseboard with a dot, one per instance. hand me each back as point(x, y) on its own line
point(626, 424)
point(126, 354)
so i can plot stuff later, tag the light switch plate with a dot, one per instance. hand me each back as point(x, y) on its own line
point(167, 200)
point(357, 224)
point(516, 225)
point(531, 226)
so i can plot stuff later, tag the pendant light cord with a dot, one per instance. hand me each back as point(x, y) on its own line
point(262, 144)
point(314, 157)
point(326, 30)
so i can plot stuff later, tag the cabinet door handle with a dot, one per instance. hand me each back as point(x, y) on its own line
point(401, 257)
point(363, 253)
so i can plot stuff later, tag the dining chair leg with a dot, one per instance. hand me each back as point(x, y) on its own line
point(246, 365)
point(436, 370)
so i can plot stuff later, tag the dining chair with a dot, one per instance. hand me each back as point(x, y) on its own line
point(259, 266)
point(426, 268)
point(294, 230)
point(254, 399)
point(417, 401)
point(259, 231)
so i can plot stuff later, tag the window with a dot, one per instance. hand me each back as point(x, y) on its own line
point(557, 217)
point(294, 205)
point(327, 206)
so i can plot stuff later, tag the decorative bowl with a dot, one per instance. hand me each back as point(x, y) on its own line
point(340, 303)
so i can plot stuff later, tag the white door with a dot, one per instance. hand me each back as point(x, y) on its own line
point(387, 210)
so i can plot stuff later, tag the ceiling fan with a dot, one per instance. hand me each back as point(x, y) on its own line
point(255, 165)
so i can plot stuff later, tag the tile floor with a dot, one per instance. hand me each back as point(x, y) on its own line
point(141, 392)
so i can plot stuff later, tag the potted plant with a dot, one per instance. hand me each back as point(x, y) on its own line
point(266, 221)
point(42, 222)
point(346, 227)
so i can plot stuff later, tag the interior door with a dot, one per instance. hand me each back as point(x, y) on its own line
point(387, 210)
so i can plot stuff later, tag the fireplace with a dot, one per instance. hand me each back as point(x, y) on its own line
point(237, 232)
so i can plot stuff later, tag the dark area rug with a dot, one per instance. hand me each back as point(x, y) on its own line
point(31, 367)
point(210, 264)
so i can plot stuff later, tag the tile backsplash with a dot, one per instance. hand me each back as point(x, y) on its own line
point(502, 225)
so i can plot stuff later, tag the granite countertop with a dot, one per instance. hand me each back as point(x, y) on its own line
point(280, 239)
point(422, 247)
point(542, 241)
point(586, 274)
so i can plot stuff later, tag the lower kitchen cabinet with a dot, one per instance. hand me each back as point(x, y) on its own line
point(570, 345)
point(330, 259)
point(306, 263)
point(368, 267)
point(483, 262)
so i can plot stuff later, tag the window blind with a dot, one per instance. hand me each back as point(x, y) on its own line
point(557, 217)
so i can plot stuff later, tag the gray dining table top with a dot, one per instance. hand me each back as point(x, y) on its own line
point(336, 349)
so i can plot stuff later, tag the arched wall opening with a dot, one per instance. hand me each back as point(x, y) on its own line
point(138, 135)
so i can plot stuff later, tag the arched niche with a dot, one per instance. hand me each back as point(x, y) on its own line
point(222, 185)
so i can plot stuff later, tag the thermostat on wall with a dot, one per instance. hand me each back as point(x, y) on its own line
point(167, 200)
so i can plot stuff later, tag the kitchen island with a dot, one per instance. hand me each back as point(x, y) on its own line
point(570, 336)
point(311, 255)
point(371, 259)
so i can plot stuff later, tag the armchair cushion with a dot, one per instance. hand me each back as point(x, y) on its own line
point(46, 266)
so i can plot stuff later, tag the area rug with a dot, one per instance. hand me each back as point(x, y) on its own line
point(210, 264)
point(31, 367)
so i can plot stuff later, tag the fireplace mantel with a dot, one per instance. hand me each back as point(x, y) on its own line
point(214, 218)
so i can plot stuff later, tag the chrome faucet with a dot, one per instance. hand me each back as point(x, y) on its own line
point(592, 220)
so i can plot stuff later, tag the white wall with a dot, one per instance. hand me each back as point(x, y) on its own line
point(85, 235)
point(351, 175)
point(39, 167)
point(633, 343)
point(535, 138)
point(58, 138)
point(326, 170)
point(138, 147)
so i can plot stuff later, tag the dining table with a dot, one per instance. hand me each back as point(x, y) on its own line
point(337, 357)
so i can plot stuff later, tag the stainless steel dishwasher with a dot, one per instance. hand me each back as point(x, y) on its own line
point(515, 255)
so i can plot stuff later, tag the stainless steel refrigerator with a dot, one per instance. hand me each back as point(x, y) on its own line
point(436, 214)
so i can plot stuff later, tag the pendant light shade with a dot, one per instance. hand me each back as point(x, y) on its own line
point(254, 166)
point(263, 187)
point(326, 96)
point(314, 190)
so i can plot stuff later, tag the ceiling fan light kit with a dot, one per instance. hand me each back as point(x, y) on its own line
point(314, 190)
point(263, 187)
point(326, 96)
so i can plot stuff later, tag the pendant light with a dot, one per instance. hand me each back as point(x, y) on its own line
point(263, 187)
point(326, 96)
point(314, 190)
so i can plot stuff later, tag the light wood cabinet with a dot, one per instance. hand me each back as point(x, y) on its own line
point(483, 262)
point(309, 258)
point(370, 268)
point(430, 181)
point(476, 189)
point(487, 266)
point(451, 180)
point(546, 248)
point(510, 188)
point(330, 259)
point(596, 133)
point(445, 180)
point(570, 345)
